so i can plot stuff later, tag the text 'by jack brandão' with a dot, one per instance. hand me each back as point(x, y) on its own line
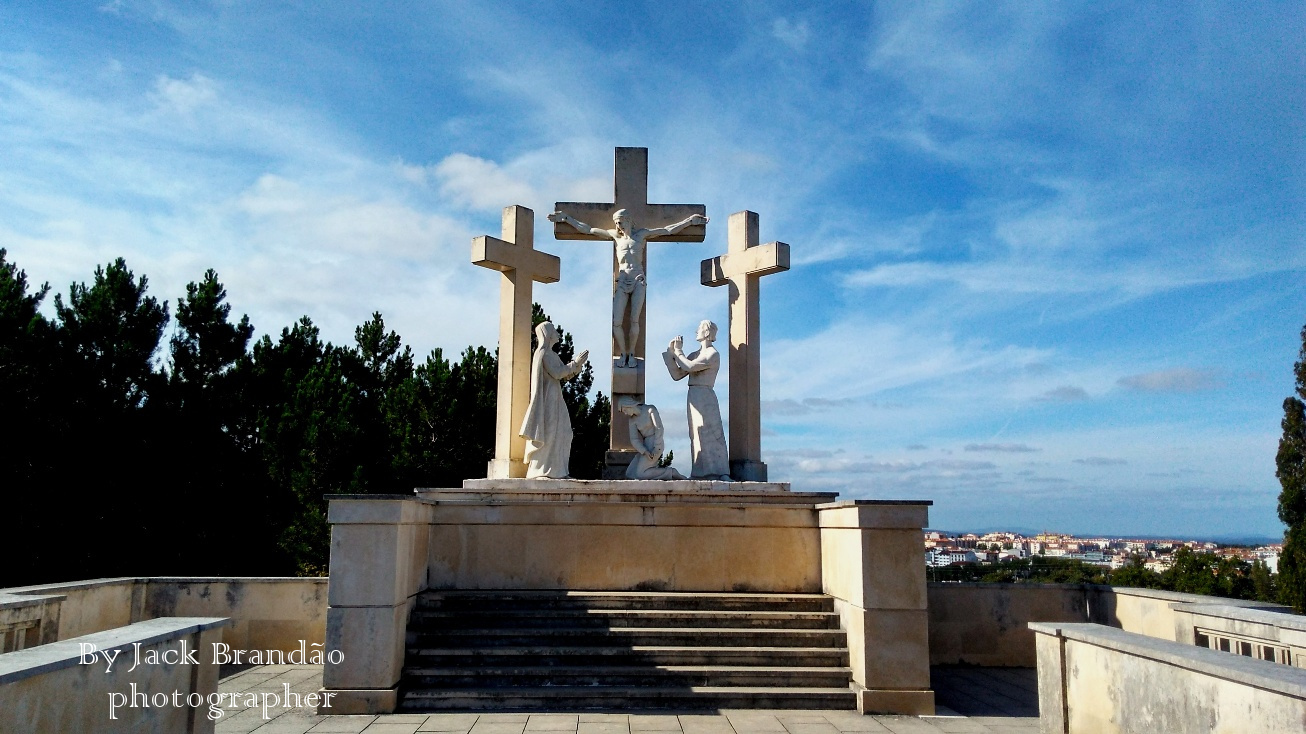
point(222, 654)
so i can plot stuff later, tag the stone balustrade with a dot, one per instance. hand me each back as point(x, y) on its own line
point(1094, 679)
point(163, 681)
point(266, 613)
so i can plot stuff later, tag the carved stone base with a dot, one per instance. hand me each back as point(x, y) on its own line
point(745, 470)
point(505, 469)
point(616, 462)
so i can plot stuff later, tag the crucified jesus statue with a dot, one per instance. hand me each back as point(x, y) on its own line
point(629, 242)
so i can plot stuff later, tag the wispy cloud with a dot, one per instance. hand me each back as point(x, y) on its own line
point(1063, 394)
point(1101, 461)
point(1177, 379)
point(1006, 448)
point(793, 34)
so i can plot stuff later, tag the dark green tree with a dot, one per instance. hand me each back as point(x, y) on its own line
point(28, 453)
point(1291, 471)
point(205, 451)
point(111, 329)
point(26, 354)
point(207, 347)
point(1136, 575)
point(106, 401)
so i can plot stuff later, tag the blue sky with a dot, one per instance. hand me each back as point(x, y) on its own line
point(1048, 259)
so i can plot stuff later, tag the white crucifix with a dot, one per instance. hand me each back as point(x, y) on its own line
point(629, 222)
point(741, 268)
point(521, 265)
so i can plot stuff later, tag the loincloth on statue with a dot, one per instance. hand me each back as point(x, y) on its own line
point(626, 281)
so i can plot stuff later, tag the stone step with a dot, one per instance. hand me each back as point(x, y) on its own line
point(775, 657)
point(624, 676)
point(572, 698)
point(427, 619)
point(643, 600)
point(613, 636)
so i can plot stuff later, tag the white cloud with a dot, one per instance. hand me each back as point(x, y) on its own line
point(184, 95)
point(480, 184)
point(793, 34)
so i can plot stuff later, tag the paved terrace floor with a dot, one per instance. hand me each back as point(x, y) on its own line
point(998, 700)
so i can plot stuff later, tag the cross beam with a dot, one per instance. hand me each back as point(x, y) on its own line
point(521, 265)
point(744, 263)
point(629, 192)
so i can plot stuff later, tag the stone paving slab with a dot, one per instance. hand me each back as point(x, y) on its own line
point(991, 693)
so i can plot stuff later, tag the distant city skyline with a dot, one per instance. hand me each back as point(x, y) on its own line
point(1047, 259)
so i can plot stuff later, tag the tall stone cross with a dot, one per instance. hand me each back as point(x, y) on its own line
point(630, 192)
point(744, 263)
point(521, 265)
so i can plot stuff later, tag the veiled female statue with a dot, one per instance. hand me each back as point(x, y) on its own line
point(547, 426)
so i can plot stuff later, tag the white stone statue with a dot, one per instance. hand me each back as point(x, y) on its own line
point(646, 436)
point(707, 435)
point(630, 242)
point(547, 425)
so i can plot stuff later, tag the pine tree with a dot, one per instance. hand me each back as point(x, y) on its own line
point(1291, 470)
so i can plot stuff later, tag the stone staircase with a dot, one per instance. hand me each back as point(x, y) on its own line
point(581, 650)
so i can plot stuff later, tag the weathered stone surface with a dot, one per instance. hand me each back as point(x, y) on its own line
point(1112, 681)
point(371, 641)
point(35, 684)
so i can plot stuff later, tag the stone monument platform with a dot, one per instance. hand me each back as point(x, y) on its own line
point(662, 537)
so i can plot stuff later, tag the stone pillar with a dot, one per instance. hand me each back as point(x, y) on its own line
point(873, 564)
point(378, 566)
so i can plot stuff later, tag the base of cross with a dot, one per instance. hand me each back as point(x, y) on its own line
point(747, 470)
point(615, 463)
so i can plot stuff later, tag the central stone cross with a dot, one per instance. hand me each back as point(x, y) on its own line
point(521, 265)
point(630, 192)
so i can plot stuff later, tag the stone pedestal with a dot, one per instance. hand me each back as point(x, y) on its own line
point(378, 565)
point(872, 563)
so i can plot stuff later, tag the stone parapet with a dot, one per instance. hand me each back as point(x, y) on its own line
point(50, 689)
point(1098, 679)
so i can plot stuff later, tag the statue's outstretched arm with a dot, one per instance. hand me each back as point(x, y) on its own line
point(674, 228)
point(578, 225)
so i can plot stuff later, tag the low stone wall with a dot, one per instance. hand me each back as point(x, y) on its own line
point(987, 624)
point(1094, 679)
point(1151, 612)
point(1275, 635)
point(53, 689)
point(265, 613)
point(27, 621)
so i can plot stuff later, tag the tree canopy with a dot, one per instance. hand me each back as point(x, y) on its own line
point(213, 453)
